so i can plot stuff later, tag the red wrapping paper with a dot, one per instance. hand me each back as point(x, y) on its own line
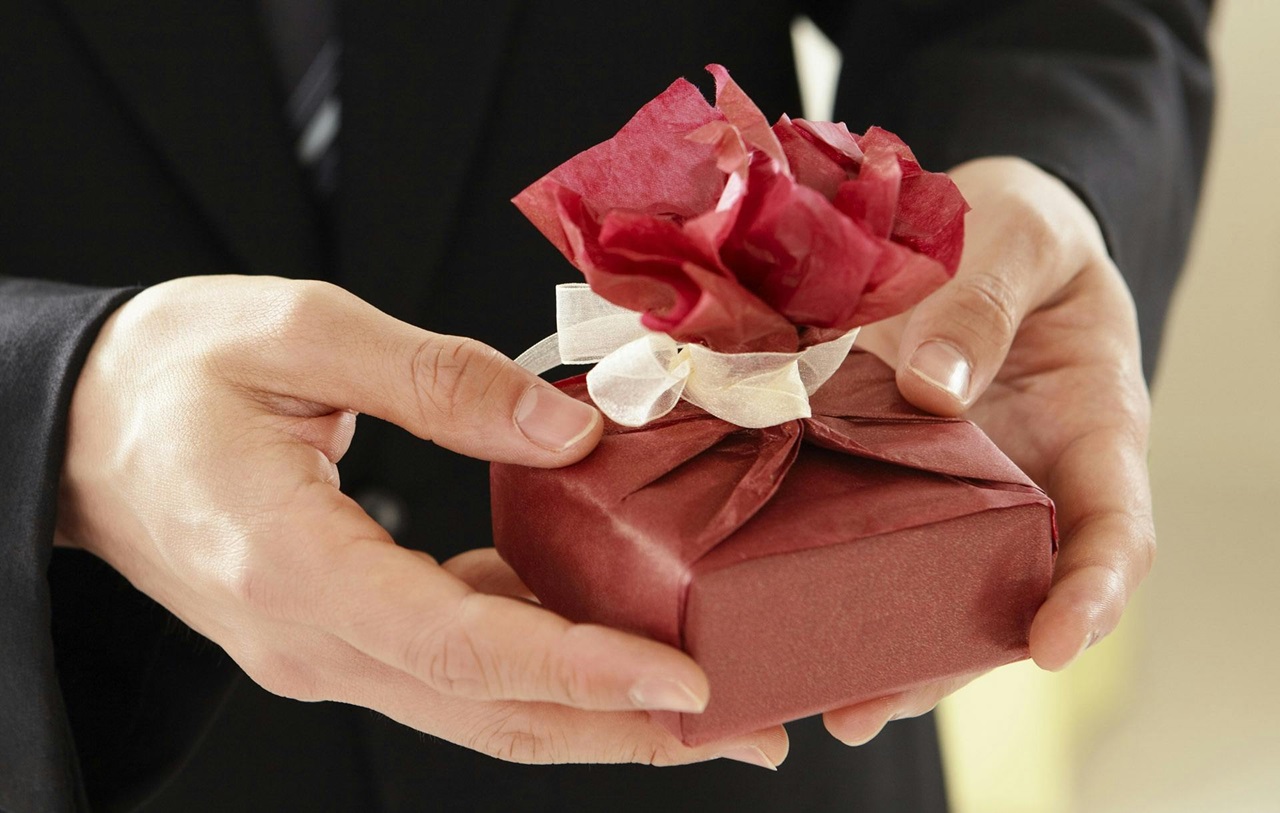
point(805, 566)
point(821, 561)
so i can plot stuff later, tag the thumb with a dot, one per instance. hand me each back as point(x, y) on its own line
point(956, 340)
point(1027, 236)
point(455, 391)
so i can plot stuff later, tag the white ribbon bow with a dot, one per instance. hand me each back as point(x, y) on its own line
point(640, 375)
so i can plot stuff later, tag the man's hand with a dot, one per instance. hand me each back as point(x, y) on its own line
point(204, 436)
point(1036, 341)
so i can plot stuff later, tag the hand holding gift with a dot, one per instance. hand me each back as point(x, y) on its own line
point(202, 464)
point(714, 247)
point(1036, 341)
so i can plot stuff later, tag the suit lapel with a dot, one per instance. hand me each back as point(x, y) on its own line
point(417, 85)
point(197, 79)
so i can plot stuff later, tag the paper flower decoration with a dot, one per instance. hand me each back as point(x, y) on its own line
point(726, 232)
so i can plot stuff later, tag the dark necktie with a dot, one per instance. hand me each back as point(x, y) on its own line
point(303, 37)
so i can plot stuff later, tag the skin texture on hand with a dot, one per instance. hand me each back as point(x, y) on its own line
point(1036, 341)
point(202, 463)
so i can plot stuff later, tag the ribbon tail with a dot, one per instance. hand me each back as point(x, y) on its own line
point(821, 361)
point(764, 399)
point(543, 356)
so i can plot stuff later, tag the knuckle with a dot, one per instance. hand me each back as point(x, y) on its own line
point(271, 571)
point(1033, 232)
point(515, 745)
point(282, 318)
point(512, 736)
point(455, 660)
point(257, 593)
point(658, 754)
point(452, 373)
point(251, 588)
point(993, 304)
point(449, 660)
point(265, 570)
point(1139, 408)
point(566, 675)
point(573, 682)
point(1043, 235)
point(1145, 550)
point(920, 707)
point(283, 675)
point(292, 312)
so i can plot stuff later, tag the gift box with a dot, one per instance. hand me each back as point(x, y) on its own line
point(804, 566)
point(764, 499)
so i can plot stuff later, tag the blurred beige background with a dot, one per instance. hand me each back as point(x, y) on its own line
point(1198, 728)
point(1180, 710)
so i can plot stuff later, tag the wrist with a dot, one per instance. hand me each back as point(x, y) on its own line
point(81, 459)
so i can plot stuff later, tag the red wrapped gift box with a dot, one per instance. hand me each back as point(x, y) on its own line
point(805, 566)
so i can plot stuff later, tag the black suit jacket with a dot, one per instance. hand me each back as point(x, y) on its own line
point(143, 141)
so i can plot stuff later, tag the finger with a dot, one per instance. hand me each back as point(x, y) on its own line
point(309, 665)
point(1108, 544)
point(956, 339)
point(333, 348)
point(1024, 241)
point(860, 723)
point(549, 734)
point(536, 733)
point(956, 342)
point(401, 608)
point(485, 572)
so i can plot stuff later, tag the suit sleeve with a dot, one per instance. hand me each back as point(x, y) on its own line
point(46, 329)
point(102, 696)
point(1113, 96)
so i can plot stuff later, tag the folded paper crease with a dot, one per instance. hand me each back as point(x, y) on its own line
point(660, 516)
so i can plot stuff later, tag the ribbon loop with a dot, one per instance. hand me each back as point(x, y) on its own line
point(640, 381)
point(640, 375)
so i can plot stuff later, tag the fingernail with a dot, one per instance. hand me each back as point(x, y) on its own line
point(750, 755)
point(553, 420)
point(943, 366)
point(665, 694)
point(1085, 644)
